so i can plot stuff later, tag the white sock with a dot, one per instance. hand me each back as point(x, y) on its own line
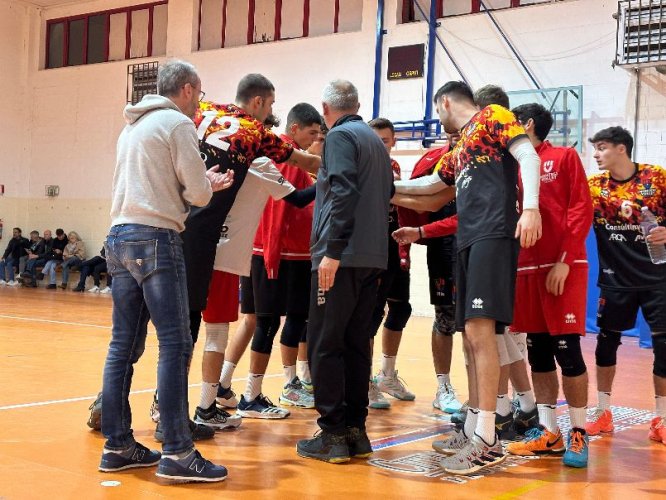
point(578, 416)
point(604, 400)
point(503, 405)
point(485, 426)
point(388, 365)
point(303, 370)
point(443, 379)
point(227, 373)
point(126, 452)
point(470, 422)
point(208, 394)
point(179, 456)
point(660, 405)
point(526, 400)
point(548, 419)
point(253, 387)
point(289, 373)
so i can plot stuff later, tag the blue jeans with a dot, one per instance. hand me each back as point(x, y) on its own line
point(148, 283)
point(50, 270)
point(8, 265)
point(67, 265)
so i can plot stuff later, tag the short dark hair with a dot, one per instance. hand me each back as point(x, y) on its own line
point(60, 232)
point(304, 115)
point(324, 127)
point(253, 85)
point(382, 124)
point(491, 94)
point(543, 119)
point(456, 90)
point(272, 121)
point(615, 135)
point(18, 229)
point(34, 232)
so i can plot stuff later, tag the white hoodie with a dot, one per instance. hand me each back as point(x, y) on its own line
point(159, 172)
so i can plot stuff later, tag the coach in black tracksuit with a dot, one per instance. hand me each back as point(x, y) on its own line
point(349, 249)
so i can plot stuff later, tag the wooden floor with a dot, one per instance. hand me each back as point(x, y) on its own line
point(53, 348)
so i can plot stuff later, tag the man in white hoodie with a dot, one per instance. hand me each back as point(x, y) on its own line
point(158, 175)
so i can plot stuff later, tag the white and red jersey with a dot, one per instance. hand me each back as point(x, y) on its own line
point(566, 211)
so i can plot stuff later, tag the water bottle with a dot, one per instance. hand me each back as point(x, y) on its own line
point(657, 251)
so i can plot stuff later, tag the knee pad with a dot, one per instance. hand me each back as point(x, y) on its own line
point(568, 355)
point(659, 349)
point(293, 329)
point(445, 323)
point(399, 312)
point(607, 343)
point(264, 333)
point(195, 324)
point(540, 353)
point(217, 337)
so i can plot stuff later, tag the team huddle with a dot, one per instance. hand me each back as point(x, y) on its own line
point(315, 225)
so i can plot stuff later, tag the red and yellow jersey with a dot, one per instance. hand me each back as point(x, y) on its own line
point(485, 175)
point(624, 261)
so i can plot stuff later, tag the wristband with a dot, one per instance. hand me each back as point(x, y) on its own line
point(420, 233)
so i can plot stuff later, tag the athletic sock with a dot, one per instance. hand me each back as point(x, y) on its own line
point(253, 387)
point(548, 419)
point(604, 400)
point(179, 456)
point(227, 373)
point(126, 453)
point(303, 370)
point(660, 405)
point(526, 401)
point(208, 394)
point(443, 379)
point(470, 422)
point(578, 416)
point(503, 405)
point(388, 365)
point(485, 426)
point(289, 373)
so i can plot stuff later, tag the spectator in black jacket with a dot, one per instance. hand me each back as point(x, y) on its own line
point(95, 266)
point(10, 259)
point(59, 244)
point(37, 257)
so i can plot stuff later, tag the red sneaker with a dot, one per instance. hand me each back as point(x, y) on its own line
point(602, 421)
point(658, 430)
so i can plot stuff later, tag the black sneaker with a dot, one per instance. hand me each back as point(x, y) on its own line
point(51, 286)
point(78, 289)
point(138, 456)
point(216, 417)
point(324, 446)
point(504, 427)
point(524, 421)
point(199, 432)
point(192, 468)
point(358, 443)
point(226, 398)
point(95, 419)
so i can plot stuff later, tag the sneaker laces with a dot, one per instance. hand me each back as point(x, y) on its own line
point(396, 382)
point(577, 442)
point(534, 434)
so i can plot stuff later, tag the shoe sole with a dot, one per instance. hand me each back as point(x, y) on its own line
point(600, 432)
point(446, 451)
point(188, 479)
point(379, 406)
point(399, 398)
point(287, 402)
point(475, 469)
point(362, 455)
point(540, 453)
point(335, 460)
point(219, 427)
point(125, 467)
point(261, 416)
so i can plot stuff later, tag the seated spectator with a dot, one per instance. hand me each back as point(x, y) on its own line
point(10, 259)
point(72, 256)
point(59, 244)
point(37, 256)
point(95, 266)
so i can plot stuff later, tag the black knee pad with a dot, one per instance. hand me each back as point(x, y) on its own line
point(540, 353)
point(292, 332)
point(568, 355)
point(659, 349)
point(607, 343)
point(264, 333)
point(399, 312)
point(445, 320)
point(195, 325)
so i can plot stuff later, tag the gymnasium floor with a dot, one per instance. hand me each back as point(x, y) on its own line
point(53, 348)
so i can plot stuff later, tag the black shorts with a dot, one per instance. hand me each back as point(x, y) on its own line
point(618, 309)
point(289, 294)
point(393, 285)
point(441, 274)
point(199, 253)
point(246, 295)
point(486, 281)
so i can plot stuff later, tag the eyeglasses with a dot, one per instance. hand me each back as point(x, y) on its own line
point(202, 94)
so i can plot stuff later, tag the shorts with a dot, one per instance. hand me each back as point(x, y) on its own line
point(618, 309)
point(441, 275)
point(538, 311)
point(289, 294)
point(486, 280)
point(246, 295)
point(199, 252)
point(222, 306)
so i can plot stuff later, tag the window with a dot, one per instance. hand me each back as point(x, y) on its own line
point(113, 35)
point(141, 81)
point(409, 11)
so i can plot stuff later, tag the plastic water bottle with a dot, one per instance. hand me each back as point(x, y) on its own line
point(657, 251)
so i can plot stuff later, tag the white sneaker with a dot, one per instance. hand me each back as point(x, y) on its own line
point(94, 289)
point(393, 385)
point(3, 282)
point(446, 399)
point(376, 399)
point(13, 283)
point(105, 290)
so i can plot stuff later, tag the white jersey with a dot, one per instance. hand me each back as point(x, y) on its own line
point(234, 250)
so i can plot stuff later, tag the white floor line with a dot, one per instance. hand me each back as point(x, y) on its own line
point(39, 320)
point(92, 398)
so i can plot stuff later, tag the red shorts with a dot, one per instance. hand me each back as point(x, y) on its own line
point(222, 305)
point(537, 311)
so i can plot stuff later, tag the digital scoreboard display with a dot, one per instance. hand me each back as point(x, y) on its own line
point(406, 61)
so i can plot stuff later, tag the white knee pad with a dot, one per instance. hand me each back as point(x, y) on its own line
point(217, 336)
point(520, 339)
point(507, 349)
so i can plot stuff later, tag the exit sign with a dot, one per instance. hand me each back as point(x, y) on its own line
point(405, 62)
